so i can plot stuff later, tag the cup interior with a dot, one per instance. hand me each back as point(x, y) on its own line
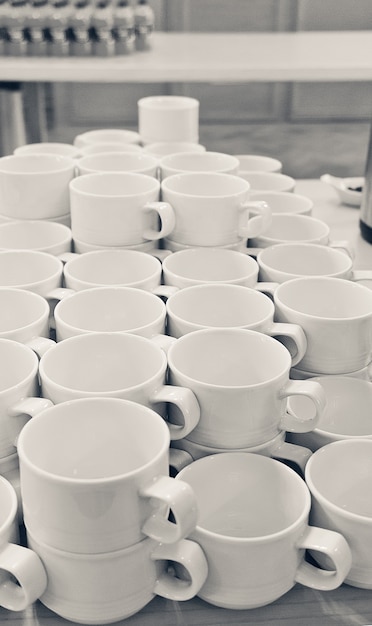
point(117, 161)
point(295, 227)
point(114, 184)
point(284, 201)
point(220, 305)
point(211, 265)
point(325, 297)
point(229, 358)
point(305, 259)
point(200, 161)
point(108, 430)
point(18, 363)
point(110, 309)
point(97, 363)
point(23, 268)
point(113, 267)
point(205, 184)
point(33, 234)
point(348, 485)
point(20, 308)
point(245, 495)
point(35, 163)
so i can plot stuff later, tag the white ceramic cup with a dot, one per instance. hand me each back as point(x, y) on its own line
point(336, 316)
point(253, 526)
point(35, 186)
point(24, 317)
point(19, 392)
point(9, 469)
point(101, 135)
point(268, 181)
point(118, 209)
point(22, 575)
point(213, 209)
point(137, 162)
point(109, 146)
point(105, 588)
point(241, 381)
point(292, 227)
point(339, 478)
point(205, 161)
point(258, 162)
point(365, 373)
point(230, 306)
point(35, 271)
point(284, 261)
point(126, 268)
point(80, 247)
point(93, 482)
point(109, 309)
point(183, 452)
point(161, 148)
point(347, 414)
point(194, 266)
point(175, 246)
point(48, 147)
point(42, 235)
point(168, 118)
point(285, 201)
point(120, 365)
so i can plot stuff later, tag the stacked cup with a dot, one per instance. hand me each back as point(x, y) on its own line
point(36, 187)
point(97, 500)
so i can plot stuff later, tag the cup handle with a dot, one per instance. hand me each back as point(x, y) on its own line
point(27, 408)
point(361, 275)
point(267, 288)
point(315, 392)
point(31, 581)
point(54, 296)
point(256, 225)
point(163, 341)
point(165, 291)
point(185, 400)
point(334, 546)
point(344, 245)
point(179, 498)
point(292, 452)
point(166, 216)
point(191, 557)
point(178, 459)
point(295, 334)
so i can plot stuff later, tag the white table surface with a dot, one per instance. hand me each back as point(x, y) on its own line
point(208, 57)
point(345, 606)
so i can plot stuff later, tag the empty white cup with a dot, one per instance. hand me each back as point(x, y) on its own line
point(168, 118)
point(43, 235)
point(100, 135)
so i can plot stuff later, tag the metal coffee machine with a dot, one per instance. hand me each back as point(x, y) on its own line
point(366, 206)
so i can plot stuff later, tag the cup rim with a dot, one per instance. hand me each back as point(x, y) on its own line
point(244, 185)
point(350, 515)
point(250, 262)
point(60, 408)
point(75, 183)
point(66, 164)
point(295, 478)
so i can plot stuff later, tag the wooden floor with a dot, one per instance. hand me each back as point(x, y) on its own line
point(306, 150)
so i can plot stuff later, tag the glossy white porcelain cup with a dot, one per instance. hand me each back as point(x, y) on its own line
point(19, 392)
point(336, 316)
point(35, 186)
point(253, 526)
point(347, 414)
point(137, 162)
point(109, 146)
point(268, 181)
point(168, 118)
point(100, 135)
point(258, 162)
point(24, 317)
point(292, 227)
point(205, 161)
point(213, 209)
point(162, 148)
point(48, 147)
point(120, 365)
point(118, 208)
point(110, 309)
point(105, 588)
point(339, 478)
point(241, 381)
point(93, 482)
point(125, 268)
point(42, 235)
point(230, 306)
point(285, 201)
point(22, 575)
